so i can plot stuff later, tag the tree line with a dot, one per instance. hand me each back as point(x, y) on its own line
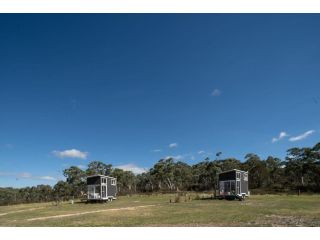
point(299, 171)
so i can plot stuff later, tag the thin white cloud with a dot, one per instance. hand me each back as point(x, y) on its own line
point(181, 157)
point(133, 168)
point(30, 176)
point(173, 145)
point(216, 93)
point(71, 153)
point(6, 174)
point(156, 150)
point(177, 157)
point(9, 146)
point(47, 178)
point(281, 136)
point(27, 175)
point(24, 175)
point(302, 136)
point(73, 103)
point(201, 152)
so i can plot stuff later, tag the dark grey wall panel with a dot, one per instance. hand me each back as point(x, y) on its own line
point(112, 189)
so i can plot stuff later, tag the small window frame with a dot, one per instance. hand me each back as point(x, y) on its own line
point(113, 182)
point(245, 176)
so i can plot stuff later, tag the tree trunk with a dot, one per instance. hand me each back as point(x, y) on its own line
point(170, 184)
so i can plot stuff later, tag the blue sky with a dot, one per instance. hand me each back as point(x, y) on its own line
point(131, 89)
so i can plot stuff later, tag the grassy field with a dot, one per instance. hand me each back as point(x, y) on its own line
point(156, 210)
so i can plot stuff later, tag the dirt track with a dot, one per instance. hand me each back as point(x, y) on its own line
point(18, 211)
point(83, 213)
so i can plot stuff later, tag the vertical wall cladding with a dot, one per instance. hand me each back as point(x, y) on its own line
point(111, 189)
point(244, 183)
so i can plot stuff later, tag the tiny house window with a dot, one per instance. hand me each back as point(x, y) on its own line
point(245, 177)
point(113, 182)
point(97, 190)
point(103, 180)
point(238, 175)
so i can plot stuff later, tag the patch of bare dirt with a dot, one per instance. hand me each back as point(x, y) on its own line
point(89, 212)
point(18, 211)
point(286, 221)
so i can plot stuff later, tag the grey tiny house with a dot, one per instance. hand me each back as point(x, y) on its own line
point(233, 184)
point(101, 188)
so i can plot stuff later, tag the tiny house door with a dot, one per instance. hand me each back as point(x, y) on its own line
point(238, 187)
point(90, 191)
point(104, 192)
point(221, 188)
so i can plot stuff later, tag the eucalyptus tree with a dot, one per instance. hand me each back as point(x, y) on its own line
point(145, 182)
point(163, 173)
point(182, 175)
point(303, 167)
point(126, 180)
point(257, 171)
point(61, 191)
point(275, 172)
point(76, 178)
point(97, 167)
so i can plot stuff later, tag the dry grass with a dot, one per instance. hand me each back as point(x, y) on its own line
point(262, 210)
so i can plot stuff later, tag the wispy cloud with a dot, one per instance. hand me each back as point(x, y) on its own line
point(73, 103)
point(281, 136)
point(181, 157)
point(48, 178)
point(71, 153)
point(156, 150)
point(301, 136)
point(24, 175)
point(27, 175)
point(132, 167)
point(216, 92)
point(9, 146)
point(177, 157)
point(173, 145)
point(6, 174)
point(201, 152)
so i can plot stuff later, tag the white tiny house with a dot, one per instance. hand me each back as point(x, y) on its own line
point(101, 188)
point(233, 184)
